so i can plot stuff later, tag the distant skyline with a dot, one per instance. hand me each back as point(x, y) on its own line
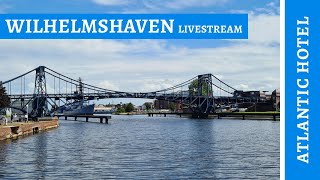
point(149, 65)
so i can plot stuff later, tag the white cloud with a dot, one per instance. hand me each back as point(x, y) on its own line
point(99, 61)
point(154, 84)
point(242, 86)
point(270, 8)
point(264, 24)
point(264, 29)
point(149, 65)
point(108, 85)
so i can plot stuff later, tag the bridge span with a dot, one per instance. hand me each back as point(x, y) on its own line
point(200, 93)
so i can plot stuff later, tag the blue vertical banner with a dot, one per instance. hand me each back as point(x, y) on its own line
point(302, 83)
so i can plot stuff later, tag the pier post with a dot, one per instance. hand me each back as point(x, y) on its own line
point(75, 118)
point(107, 120)
point(87, 119)
point(66, 117)
point(274, 117)
point(101, 120)
point(243, 117)
point(152, 115)
point(218, 116)
point(180, 115)
point(165, 115)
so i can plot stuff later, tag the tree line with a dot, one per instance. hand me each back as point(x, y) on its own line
point(125, 108)
point(4, 98)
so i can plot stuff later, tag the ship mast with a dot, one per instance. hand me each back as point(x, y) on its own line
point(80, 86)
point(80, 91)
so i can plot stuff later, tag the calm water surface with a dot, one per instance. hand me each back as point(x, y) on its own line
point(140, 147)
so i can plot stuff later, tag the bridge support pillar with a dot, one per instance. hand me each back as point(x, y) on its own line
point(40, 103)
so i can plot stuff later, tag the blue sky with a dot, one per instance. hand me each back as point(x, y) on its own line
point(125, 6)
point(148, 65)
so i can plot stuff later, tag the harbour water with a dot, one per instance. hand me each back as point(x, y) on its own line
point(141, 147)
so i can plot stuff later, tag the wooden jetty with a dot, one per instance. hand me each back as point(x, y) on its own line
point(247, 115)
point(242, 115)
point(87, 117)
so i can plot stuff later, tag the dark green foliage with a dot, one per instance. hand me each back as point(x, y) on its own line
point(129, 107)
point(4, 99)
point(120, 110)
point(124, 108)
point(193, 88)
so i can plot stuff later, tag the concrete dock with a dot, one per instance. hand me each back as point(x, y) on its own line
point(13, 130)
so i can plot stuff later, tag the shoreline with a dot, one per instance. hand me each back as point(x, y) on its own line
point(15, 130)
point(269, 116)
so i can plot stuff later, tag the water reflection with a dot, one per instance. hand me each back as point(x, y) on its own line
point(3, 157)
point(41, 155)
point(139, 147)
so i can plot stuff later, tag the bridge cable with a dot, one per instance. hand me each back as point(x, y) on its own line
point(67, 81)
point(24, 84)
point(18, 76)
point(223, 82)
point(222, 89)
point(54, 85)
point(118, 92)
point(177, 86)
point(85, 83)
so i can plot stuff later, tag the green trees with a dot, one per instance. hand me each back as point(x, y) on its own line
point(4, 99)
point(120, 110)
point(129, 107)
point(193, 88)
point(125, 108)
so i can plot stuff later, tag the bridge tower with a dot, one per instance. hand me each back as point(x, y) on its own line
point(204, 103)
point(40, 103)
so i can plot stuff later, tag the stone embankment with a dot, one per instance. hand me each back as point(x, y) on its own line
point(14, 130)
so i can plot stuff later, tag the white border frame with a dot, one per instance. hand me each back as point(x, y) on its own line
point(282, 89)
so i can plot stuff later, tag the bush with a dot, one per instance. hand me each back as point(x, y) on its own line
point(120, 110)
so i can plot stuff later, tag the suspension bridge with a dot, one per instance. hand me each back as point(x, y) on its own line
point(52, 90)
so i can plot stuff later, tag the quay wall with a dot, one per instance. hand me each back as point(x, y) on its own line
point(8, 132)
point(5, 133)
